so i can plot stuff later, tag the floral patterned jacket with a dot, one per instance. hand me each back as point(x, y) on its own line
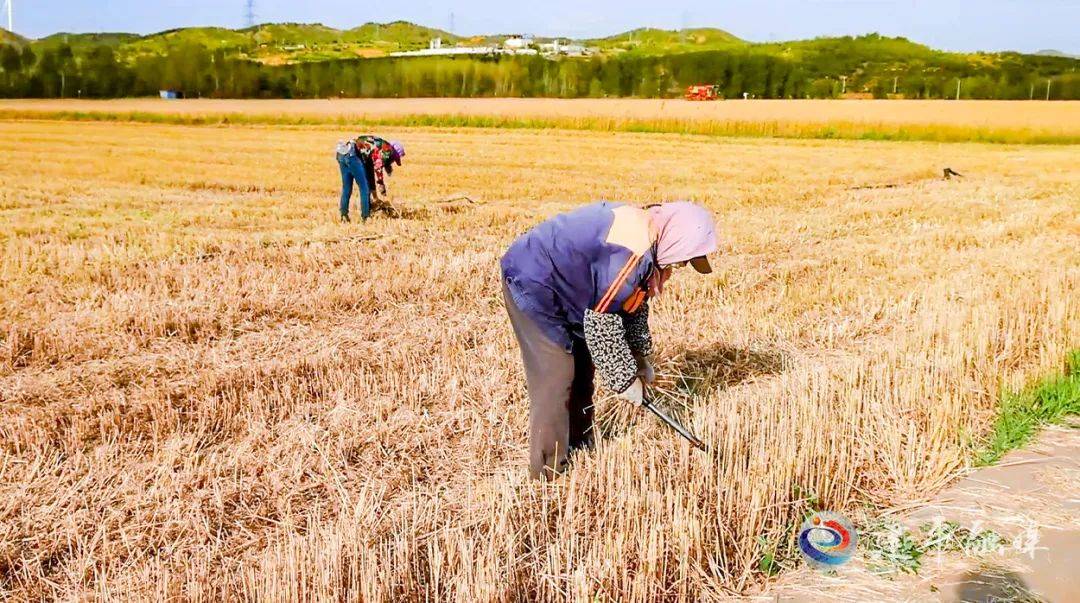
point(371, 154)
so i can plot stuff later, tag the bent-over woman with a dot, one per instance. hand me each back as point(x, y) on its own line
point(364, 159)
point(577, 289)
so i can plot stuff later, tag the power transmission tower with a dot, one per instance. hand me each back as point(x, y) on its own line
point(451, 21)
point(249, 13)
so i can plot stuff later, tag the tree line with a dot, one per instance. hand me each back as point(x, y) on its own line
point(98, 72)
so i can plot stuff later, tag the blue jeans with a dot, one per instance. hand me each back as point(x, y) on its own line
point(353, 169)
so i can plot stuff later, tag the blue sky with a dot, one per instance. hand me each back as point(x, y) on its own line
point(947, 24)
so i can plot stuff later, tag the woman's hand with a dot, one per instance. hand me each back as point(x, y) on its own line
point(635, 393)
point(645, 369)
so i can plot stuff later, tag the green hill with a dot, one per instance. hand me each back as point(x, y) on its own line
point(402, 34)
point(880, 47)
point(278, 43)
point(83, 42)
point(211, 38)
point(7, 37)
point(292, 34)
point(661, 41)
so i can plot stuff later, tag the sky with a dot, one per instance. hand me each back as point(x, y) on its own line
point(946, 24)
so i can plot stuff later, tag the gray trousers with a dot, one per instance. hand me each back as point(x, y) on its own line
point(560, 389)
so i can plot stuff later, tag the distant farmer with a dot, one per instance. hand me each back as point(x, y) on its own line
point(577, 288)
point(380, 157)
point(364, 159)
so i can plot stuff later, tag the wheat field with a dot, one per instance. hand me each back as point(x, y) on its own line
point(1012, 122)
point(1061, 116)
point(213, 391)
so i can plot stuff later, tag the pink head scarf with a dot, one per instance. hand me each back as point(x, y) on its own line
point(684, 231)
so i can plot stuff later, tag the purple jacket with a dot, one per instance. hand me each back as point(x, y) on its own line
point(597, 257)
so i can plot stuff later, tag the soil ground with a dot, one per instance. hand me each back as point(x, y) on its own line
point(1032, 497)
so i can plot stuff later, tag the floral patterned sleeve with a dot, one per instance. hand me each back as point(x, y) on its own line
point(606, 338)
point(637, 331)
point(377, 160)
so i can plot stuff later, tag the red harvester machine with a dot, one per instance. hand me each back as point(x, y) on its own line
point(703, 92)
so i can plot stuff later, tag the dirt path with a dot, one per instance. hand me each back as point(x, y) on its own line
point(1032, 498)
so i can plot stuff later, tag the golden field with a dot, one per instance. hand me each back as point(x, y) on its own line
point(1021, 122)
point(1058, 115)
point(213, 391)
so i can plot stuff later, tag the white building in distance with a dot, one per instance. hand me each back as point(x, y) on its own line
point(518, 42)
point(512, 46)
point(556, 47)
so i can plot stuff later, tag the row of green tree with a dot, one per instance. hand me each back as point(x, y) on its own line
point(763, 73)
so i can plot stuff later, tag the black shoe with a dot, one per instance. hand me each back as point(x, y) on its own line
point(345, 218)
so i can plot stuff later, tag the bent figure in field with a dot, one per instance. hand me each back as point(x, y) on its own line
point(365, 159)
point(576, 288)
point(380, 156)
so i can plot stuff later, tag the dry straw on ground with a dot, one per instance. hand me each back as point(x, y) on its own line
point(210, 391)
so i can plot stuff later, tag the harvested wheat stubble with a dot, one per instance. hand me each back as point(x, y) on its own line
point(197, 404)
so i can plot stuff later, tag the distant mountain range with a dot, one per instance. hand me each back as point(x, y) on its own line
point(312, 60)
point(276, 43)
point(271, 42)
point(279, 43)
point(1057, 53)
